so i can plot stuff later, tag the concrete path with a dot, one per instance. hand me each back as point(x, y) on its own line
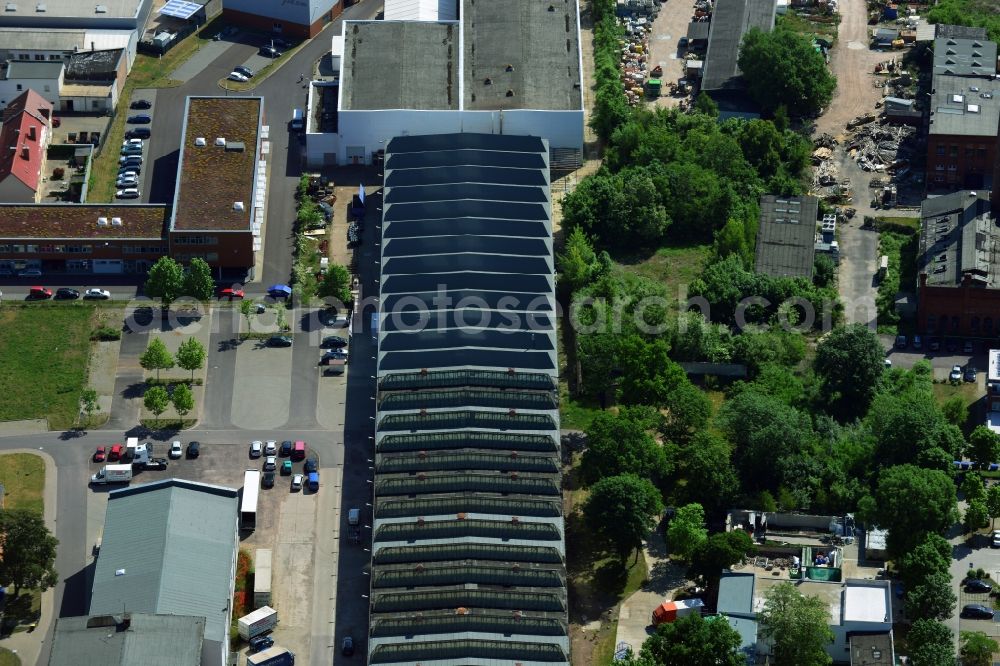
point(205, 56)
point(26, 427)
point(634, 624)
point(28, 644)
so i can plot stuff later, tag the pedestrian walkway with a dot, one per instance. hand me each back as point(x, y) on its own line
point(197, 63)
point(25, 427)
point(664, 576)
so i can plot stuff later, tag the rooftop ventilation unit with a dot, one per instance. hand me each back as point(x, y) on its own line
point(40, 7)
point(238, 206)
point(116, 221)
point(101, 9)
point(235, 147)
point(11, 7)
point(220, 141)
point(102, 221)
point(200, 141)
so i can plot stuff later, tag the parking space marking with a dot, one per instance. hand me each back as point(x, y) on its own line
point(262, 387)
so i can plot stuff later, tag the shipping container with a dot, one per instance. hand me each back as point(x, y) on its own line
point(256, 623)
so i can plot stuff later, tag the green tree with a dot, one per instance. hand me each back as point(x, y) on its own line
point(908, 425)
point(694, 641)
point(336, 284)
point(198, 280)
point(799, 626)
point(932, 555)
point(156, 400)
point(705, 104)
point(984, 446)
point(687, 531)
point(720, 551)
point(977, 648)
point(165, 281)
point(88, 402)
point(972, 487)
point(781, 67)
point(28, 557)
point(903, 487)
point(993, 502)
point(248, 309)
point(156, 357)
point(620, 443)
point(578, 263)
point(182, 399)
point(849, 361)
point(955, 411)
point(622, 510)
point(932, 598)
point(709, 476)
point(824, 270)
point(191, 355)
point(930, 644)
point(977, 515)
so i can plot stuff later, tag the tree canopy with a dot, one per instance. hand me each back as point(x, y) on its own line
point(28, 557)
point(903, 487)
point(622, 510)
point(694, 641)
point(798, 625)
point(781, 68)
point(930, 643)
point(977, 648)
point(156, 357)
point(621, 443)
point(850, 360)
point(191, 355)
point(336, 283)
point(198, 280)
point(165, 281)
point(686, 530)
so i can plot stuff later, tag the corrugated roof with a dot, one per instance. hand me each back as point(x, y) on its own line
point(786, 236)
point(169, 547)
point(959, 240)
point(964, 57)
point(731, 20)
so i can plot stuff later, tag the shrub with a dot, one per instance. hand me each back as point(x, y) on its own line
point(58, 173)
point(106, 333)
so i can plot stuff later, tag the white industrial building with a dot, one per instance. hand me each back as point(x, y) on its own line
point(60, 14)
point(506, 67)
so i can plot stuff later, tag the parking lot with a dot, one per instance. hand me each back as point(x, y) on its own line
point(146, 170)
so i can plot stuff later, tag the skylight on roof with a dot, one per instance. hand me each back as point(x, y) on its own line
point(972, 108)
point(957, 99)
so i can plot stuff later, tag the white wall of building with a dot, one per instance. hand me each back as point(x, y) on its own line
point(365, 132)
point(47, 88)
point(421, 10)
point(303, 12)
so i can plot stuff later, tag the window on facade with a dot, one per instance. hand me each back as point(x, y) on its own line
point(954, 323)
point(939, 167)
point(20, 87)
point(969, 150)
point(988, 324)
point(974, 323)
point(46, 87)
point(952, 167)
point(939, 178)
point(940, 150)
point(954, 151)
point(931, 323)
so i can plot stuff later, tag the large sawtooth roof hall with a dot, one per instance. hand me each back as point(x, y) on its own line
point(468, 554)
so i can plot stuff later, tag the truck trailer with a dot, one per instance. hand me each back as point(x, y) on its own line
point(112, 474)
point(273, 656)
point(256, 623)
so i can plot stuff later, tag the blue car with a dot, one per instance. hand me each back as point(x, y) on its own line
point(260, 643)
point(279, 291)
point(313, 481)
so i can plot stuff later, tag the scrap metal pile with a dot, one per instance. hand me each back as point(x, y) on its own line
point(635, 47)
point(876, 147)
point(825, 173)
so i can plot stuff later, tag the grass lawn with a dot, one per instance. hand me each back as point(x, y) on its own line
point(901, 249)
point(44, 351)
point(575, 414)
point(672, 266)
point(810, 25)
point(23, 479)
point(8, 658)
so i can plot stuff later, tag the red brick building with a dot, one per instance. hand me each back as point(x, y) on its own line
point(958, 266)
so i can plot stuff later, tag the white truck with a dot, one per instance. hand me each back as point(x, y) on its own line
point(138, 454)
point(273, 656)
point(256, 623)
point(112, 474)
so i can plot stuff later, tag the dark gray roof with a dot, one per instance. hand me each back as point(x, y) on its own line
point(959, 240)
point(787, 235)
point(400, 65)
point(403, 247)
point(698, 30)
point(469, 174)
point(528, 48)
point(522, 284)
point(488, 299)
point(736, 594)
point(460, 189)
point(473, 226)
point(959, 31)
point(29, 69)
point(131, 639)
point(731, 20)
point(466, 208)
point(152, 534)
point(965, 57)
point(457, 339)
point(958, 109)
point(448, 263)
point(94, 65)
point(424, 148)
point(470, 155)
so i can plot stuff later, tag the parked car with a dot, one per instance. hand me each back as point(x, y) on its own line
point(286, 467)
point(286, 448)
point(900, 342)
point(977, 585)
point(956, 373)
point(270, 463)
point(347, 646)
point(67, 294)
point(976, 612)
point(141, 104)
point(270, 448)
point(935, 344)
point(123, 183)
point(333, 342)
point(129, 160)
point(951, 344)
point(244, 70)
point(236, 76)
point(269, 52)
point(279, 341)
point(132, 142)
point(97, 294)
point(139, 133)
point(968, 347)
point(29, 272)
point(139, 119)
point(132, 150)
point(101, 454)
point(39, 294)
point(995, 542)
point(327, 210)
point(230, 293)
point(330, 354)
point(259, 643)
point(176, 450)
point(194, 449)
point(331, 318)
point(970, 373)
point(115, 454)
point(125, 172)
point(297, 482)
point(127, 193)
point(267, 479)
point(256, 447)
point(310, 465)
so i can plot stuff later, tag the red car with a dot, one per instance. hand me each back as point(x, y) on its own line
point(101, 454)
point(231, 293)
point(39, 294)
point(116, 453)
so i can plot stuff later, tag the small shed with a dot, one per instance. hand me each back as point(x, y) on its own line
point(697, 34)
point(884, 37)
point(693, 68)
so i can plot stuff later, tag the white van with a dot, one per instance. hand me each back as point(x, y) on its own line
point(297, 119)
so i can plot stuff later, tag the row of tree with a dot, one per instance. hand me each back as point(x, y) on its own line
point(168, 280)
